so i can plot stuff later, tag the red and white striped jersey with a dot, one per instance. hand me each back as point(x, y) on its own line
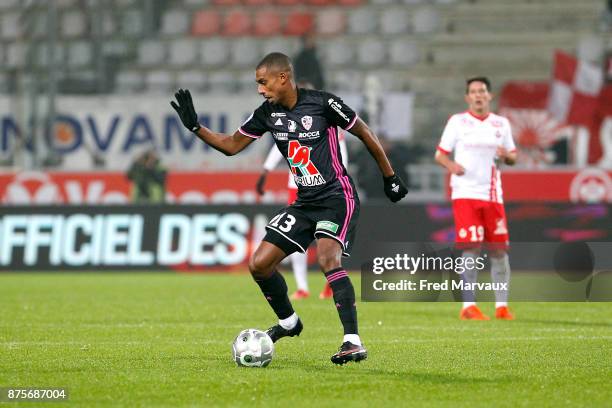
point(474, 141)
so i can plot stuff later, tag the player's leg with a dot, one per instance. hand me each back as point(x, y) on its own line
point(329, 253)
point(497, 238)
point(469, 233)
point(335, 231)
point(287, 232)
point(299, 264)
point(263, 267)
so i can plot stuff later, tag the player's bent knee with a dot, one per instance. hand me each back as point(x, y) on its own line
point(260, 267)
point(329, 260)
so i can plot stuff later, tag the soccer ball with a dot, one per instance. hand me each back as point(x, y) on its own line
point(253, 348)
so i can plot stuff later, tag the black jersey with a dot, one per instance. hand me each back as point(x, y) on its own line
point(307, 136)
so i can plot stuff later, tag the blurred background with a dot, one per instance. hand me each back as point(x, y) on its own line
point(85, 87)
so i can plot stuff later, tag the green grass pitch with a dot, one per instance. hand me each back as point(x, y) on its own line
point(141, 339)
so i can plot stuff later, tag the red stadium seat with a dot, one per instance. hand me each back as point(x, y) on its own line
point(288, 2)
point(257, 2)
point(205, 22)
point(237, 22)
point(267, 22)
point(299, 23)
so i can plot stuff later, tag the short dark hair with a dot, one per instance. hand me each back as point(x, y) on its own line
point(482, 79)
point(276, 60)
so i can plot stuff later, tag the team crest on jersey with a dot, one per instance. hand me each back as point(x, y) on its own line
point(303, 169)
point(307, 122)
point(500, 227)
point(292, 126)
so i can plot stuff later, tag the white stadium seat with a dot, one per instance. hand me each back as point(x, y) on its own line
point(372, 52)
point(394, 21)
point(214, 52)
point(362, 21)
point(183, 52)
point(175, 22)
point(151, 53)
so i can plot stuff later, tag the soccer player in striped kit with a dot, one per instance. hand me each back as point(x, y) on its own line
point(481, 141)
point(304, 123)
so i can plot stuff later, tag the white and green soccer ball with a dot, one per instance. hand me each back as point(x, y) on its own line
point(253, 348)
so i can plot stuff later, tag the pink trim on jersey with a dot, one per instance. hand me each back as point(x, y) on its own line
point(480, 118)
point(443, 151)
point(346, 185)
point(352, 123)
point(248, 134)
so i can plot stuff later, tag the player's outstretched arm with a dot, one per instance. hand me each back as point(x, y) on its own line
point(395, 189)
point(226, 144)
point(445, 161)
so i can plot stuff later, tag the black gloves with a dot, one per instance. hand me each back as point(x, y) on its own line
point(185, 110)
point(395, 188)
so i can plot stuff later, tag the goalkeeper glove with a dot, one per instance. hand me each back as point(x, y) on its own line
point(185, 110)
point(395, 188)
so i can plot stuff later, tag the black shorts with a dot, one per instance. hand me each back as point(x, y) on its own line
point(294, 227)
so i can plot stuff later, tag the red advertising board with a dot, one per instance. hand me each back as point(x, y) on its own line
point(115, 188)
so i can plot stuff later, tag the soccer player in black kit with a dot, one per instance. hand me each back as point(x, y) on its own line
point(303, 123)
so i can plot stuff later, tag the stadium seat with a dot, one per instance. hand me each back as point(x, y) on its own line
point(175, 22)
point(266, 23)
point(590, 48)
point(425, 20)
point(346, 81)
point(15, 55)
point(160, 81)
point(8, 4)
point(195, 3)
point(9, 26)
point(109, 24)
point(129, 81)
point(394, 21)
point(412, 1)
point(371, 52)
point(183, 52)
point(362, 21)
point(214, 52)
point(205, 23)
point(116, 47)
point(331, 22)
point(79, 54)
point(320, 2)
point(132, 23)
point(246, 81)
point(245, 53)
point(286, 45)
point(42, 55)
point(349, 3)
point(192, 79)
point(226, 2)
point(221, 81)
point(288, 2)
point(257, 2)
point(237, 22)
point(403, 53)
point(299, 23)
point(151, 52)
point(383, 2)
point(337, 52)
point(59, 3)
point(73, 24)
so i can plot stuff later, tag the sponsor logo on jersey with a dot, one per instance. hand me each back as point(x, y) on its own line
point(327, 225)
point(278, 115)
point(280, 135)
point(500, 227)
point(338, 108)
point(307, 122)
point(278, 122)
point(303, 169)
point(292, 126)
point(308, 135)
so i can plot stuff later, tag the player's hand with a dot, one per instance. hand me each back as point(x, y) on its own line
point(501, 153)
point(395, 188)
point(185, 110)
point(261, 182)
point(456, 168)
